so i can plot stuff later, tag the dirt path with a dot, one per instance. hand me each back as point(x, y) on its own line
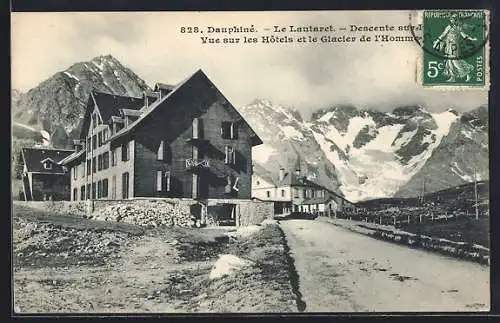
point(342, 271)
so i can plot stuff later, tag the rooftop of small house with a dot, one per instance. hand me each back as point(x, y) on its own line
point(44, 160)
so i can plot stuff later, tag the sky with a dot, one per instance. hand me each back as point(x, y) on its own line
point(306, 76)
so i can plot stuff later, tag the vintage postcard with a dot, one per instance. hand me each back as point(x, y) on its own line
point(250, 162)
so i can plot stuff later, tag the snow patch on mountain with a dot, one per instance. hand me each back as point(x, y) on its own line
point(291, 132)
point(72, 76)
point(261, 153)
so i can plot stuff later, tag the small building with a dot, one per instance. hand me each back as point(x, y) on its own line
point(292, 192)
point(182, 141)
point(42, 176)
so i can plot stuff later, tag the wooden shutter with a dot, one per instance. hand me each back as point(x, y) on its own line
point(196, 130)
point(234, 130)
point(167, 180)
point(161, 151)
point(159, 177)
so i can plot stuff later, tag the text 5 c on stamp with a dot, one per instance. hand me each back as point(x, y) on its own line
point(454, 52)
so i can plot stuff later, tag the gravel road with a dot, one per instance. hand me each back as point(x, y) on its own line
point(343, 271)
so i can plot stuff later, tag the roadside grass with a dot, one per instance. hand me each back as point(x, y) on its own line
point(477, 231)
point(264, 286)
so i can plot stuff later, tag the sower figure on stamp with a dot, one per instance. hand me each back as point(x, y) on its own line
point(453, 42)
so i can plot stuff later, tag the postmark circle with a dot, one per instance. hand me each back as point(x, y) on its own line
point(468, 46)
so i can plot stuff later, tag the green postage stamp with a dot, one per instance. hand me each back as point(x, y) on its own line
point(455, 51)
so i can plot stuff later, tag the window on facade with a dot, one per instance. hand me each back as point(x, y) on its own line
point(161, 151)
point(236, 184)
point(268, 193)
point(196, 128)
point(88, 166)
point(88, 143)
point(159, 178)
point(82, 192)
point(93, 165)
point(113, 187)
point(282, 193)
point(94, 120)
point(99, 139)
point(229, 130)
point(125, 184)
point(93, 191)
point(230, 155)
point(99, 162)
point(47, 165)
point(167, 181)
point(99, 189)
point(296, 192)
point(105, 160)
point(88, 191)
point(104, 187)
point(113, 157)
point(104, 135)
point(125, 152)
point(94, 142)
point(162, 181)
point(75, 194)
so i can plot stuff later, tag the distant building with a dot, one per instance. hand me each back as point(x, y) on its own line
point(183, 141)
point(294, 193)
point(42, 177)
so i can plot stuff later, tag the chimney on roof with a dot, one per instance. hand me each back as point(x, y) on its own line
point(77, 145)
point(282, 174)
point(146, 101)
point(297, 166)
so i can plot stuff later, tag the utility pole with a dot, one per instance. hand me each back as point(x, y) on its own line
point(423, 190)
point(475, 194)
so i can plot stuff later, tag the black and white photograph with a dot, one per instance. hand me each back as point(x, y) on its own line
point(250, 162)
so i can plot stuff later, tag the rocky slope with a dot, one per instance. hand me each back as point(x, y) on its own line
point(286, 137)
point(463, 152)
point(56, 105)
point(368, 154)
point(362, 154)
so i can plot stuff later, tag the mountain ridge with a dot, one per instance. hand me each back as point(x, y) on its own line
point(359, 153)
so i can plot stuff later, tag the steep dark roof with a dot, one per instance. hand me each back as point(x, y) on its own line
point(109, 105)
point(33, 158)
point(290, 178)
point(197, 76)
point(265, 175)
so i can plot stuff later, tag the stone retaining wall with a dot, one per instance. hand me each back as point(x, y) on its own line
point(156, 212)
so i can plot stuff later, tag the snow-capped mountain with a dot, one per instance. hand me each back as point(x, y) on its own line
point(367, 154)
point(56, 105)
point(460, 155)
point(362, 154)
point(286, 136)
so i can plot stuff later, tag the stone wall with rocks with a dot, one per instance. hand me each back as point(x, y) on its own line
point(247, 212)
point(157, 212)
point(148, 212)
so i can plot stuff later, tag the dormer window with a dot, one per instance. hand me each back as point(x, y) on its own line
point(47, 163)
